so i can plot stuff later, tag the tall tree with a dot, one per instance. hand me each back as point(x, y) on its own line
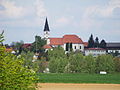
point(96, 44)
point(13, 74)
point(103, 44)
point(38, 44)
point(57, 60)
point(91, 42)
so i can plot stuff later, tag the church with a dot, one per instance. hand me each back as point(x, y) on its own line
point(68, 42)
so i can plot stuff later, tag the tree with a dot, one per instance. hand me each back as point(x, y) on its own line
point(103, 44)
point(117, 64)
point(76, 63)
point(105, 63)
point(91, 64)
point(1, 37)
point(38, 44)
point(13, 74)
point(96, 44)
point(57, 60)
point(91, 42)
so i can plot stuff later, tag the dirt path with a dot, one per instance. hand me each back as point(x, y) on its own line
point(63, 86)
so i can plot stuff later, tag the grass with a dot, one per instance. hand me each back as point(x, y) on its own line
point(79, 78)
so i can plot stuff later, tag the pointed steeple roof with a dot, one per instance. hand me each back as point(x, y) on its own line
point(46, 27)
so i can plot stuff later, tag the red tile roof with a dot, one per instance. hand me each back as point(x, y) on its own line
point(66, 39)
point(56, 41)
point(85, 44)
point(72, 39)
point(27, 45)
point(47, 47)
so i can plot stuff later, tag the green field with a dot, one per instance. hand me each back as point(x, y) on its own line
point(79, 78)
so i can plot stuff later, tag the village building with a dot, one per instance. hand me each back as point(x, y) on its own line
point(68, 42)
point(95, 51)
point(113, 47)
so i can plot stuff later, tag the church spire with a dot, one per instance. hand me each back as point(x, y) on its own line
point(46, 27)
point(46, 30)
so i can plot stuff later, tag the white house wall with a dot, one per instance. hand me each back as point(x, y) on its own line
point(95, 52)
point(109, 51)
point(48, 41)
point(78, 47)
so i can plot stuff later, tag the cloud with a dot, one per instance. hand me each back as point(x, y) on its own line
point(89, 16)
point(10, 10)
point(63, 21)
point(40, 9)
point(108, 10)
point(103, 11)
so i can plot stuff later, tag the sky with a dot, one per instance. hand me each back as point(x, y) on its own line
point(23, 19)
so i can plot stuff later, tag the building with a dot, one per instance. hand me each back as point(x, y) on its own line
point(113, 47)
point(95, 51)
point(68, 42)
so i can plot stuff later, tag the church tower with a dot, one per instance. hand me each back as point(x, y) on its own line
point(46, 30)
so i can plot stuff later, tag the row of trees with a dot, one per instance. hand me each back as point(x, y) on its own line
point(95, 43)
point(77, 63)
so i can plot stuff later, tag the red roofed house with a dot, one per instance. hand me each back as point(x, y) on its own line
point(67, 41)
point(74, 40)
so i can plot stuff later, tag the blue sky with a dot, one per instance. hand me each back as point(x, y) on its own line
point(23, 19)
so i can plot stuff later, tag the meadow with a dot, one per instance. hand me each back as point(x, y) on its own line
point(79, 78)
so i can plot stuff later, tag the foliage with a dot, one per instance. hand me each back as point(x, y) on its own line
point(105, 63)
point(91, 42)
point(91, 64)
point(102, 44)
point(38, 65)
point(38, 44)
point(57, 60)
point(79, 78)
point(96, 44)
point(17, 45)
point(117, 64)
point(1, 37)
point(77, 63)
point(13, 75)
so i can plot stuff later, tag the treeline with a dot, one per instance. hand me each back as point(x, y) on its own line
point(95, 43)
point(59, 62)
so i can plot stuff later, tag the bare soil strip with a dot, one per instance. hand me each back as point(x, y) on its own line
point(69, 86)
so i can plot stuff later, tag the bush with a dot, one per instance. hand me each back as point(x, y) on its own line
point(117, 64)
point(13, 74)
point(105, 63)
point(77, 63)
point(91, 64)
point(57, 60)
